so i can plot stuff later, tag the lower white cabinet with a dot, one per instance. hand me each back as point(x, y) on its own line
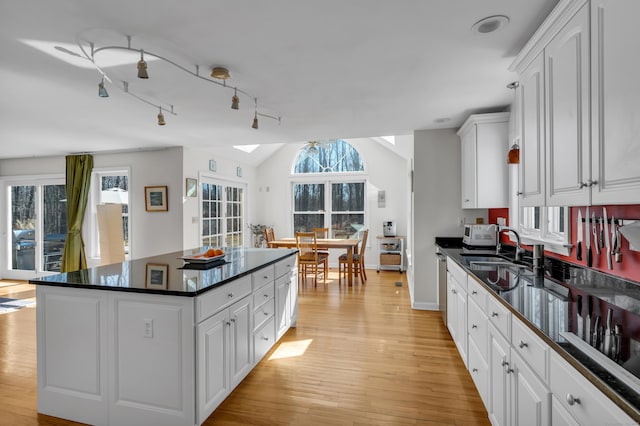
point(499, 385)
point(457, 315)
point(286, 292)
point(224, 354)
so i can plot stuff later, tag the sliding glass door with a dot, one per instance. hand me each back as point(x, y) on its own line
point(37, 226)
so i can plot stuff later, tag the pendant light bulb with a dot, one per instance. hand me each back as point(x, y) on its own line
point(102, 92)
point(235, 100)
point(142, 66)
point(161, 121)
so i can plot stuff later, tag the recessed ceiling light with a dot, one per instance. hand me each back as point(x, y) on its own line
point(246, 148)
point(490, 24)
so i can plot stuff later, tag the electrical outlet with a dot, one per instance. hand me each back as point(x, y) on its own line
point(461, 221)
point(148, 328)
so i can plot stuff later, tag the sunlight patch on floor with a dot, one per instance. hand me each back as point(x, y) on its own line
point(291, 349)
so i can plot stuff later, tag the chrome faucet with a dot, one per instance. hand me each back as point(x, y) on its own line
point(519, 250)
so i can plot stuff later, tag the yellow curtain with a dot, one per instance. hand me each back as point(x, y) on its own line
point(78, 184)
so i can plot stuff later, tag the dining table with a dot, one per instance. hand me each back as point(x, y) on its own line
point(348, 244)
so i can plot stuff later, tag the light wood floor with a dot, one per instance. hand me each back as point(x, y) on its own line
point(359, 356)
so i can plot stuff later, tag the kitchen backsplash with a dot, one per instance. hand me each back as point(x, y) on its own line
point(629, 268)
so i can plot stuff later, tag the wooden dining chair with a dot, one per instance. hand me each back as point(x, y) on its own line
point(269, 236)
point(309, 259)
point(358, 261)
point(322, 233)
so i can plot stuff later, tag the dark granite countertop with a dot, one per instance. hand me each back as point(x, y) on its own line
point(523, 294)
point(172, 275)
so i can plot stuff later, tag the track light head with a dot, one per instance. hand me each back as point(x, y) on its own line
point(235, 100)
point(255, 122)
point(142, 66)
point(102, 92)
point(220, 73)
point(161, 121)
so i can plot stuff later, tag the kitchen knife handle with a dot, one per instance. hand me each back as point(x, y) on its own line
point(579, 252)
point(589, 257)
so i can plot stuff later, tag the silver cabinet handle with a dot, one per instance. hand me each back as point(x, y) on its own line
point(474, 326)
point(453, 291)
point(228, 323)
point(266, 295)
point(494, 314)
point(233, 320)
point(230, 295)
point(523, 344)
point(265, 338)
point(572, 399)
point(505, 363)
point(266, 314)
point(474, 292)
point(266, 277)
point(475, 370)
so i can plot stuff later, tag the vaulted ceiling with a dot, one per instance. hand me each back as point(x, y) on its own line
point(331, 68)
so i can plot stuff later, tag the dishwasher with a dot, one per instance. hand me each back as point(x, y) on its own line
point(442, 284)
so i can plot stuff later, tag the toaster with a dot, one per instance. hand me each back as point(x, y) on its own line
point(480, 235)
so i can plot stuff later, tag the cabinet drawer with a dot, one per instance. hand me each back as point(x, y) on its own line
point(264, 339)
point(263, 312)
point(530, 347)
point(457, 272)
point(478, 328)
point(263, 276)
point(477, 293)
point(580, 398)
point(500, 317)
point(263, 294)
point(285, 266)
point(212, 301)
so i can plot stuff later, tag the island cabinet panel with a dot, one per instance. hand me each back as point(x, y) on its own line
point(66, 376)
point(151, 334)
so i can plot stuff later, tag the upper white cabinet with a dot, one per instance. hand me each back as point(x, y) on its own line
point(615, 91)
point(484, 147)
point(578, 136)
point(567, 113)
point(530, 94)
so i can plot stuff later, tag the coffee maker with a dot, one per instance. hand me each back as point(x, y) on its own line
point(389, 228)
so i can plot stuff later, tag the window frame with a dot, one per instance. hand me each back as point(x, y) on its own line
point(224, 233)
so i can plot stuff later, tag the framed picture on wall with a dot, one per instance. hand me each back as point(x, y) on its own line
point(155, 198)
point(157, 276)
point(192, 187)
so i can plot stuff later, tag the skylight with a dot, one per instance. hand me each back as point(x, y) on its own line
point(390, 139)
point(246, 148)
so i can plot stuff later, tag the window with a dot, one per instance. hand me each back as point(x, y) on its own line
point(110, 187)
point(327, 192)
point(222, 214)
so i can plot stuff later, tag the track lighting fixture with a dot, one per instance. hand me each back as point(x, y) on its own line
point(255, 115)
point(102, 92)
point(235, 100)
point(219, 75)
point(142, 66)
point(161, 121)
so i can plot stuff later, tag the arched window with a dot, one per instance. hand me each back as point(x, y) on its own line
point(332, 156)
point(329, 189)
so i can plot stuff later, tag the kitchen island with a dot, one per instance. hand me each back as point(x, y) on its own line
point(155, 340)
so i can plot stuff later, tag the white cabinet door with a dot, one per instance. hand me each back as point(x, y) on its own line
point(559, 415)
point(283, 305)
point(531, 399)
point(213, 358)
point(568, 160)
point(241, 340)
point(615, 92)
point(532, 153)
point(499, 383)
point(468, 171)
point(457, 316)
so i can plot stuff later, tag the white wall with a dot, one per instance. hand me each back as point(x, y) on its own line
point(385, 170)
point(195, 164)
point(437, 206)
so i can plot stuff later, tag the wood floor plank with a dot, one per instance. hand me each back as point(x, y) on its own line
point(367, 359)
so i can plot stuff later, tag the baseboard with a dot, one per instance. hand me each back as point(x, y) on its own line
point(424, 306)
